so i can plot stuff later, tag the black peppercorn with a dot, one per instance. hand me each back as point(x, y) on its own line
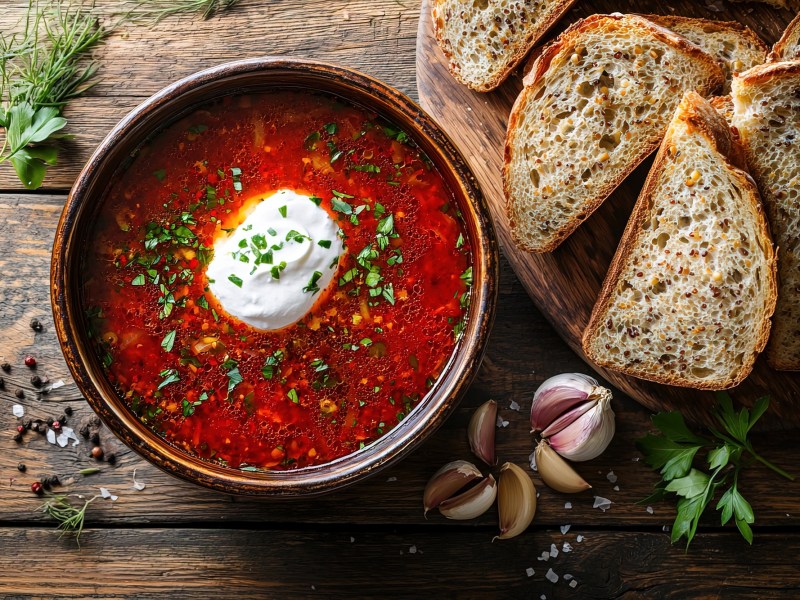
point(2, 383)
point(95, 438)
point(36, 381)
point(18, 437)
point(111, 459)
point(21, 467)
point(45, 481)
point(68, 411)
point(62, 419)
point(53, 480)
point(84, 431)
point(19, 394)
point(6, 367)
point(50, 421)
point(35, 426)
point(27, 424)
point(36, 325)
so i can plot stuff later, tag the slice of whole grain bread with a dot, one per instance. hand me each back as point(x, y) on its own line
point(766, 113)
point(735, 45)
point(788, 47)
point(484, 40)
point(689, 294)
point(595, 104)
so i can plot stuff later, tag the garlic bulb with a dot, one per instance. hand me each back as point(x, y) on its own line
point(573, 412)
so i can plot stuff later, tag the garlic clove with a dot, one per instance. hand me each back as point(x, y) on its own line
point(516, 501)
point(556, 472)
point(482, 427)
point(587, 436)
point(472, 503)
point(558, 395)
point(447, 481)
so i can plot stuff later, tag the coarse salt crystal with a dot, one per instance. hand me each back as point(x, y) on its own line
point(612, 477)
point(51, 436)
point(568, 505)
point(573, 584)
point(57, 385)
point(545, 556)
point(580, 538)
point(532, 460)
point(514, 406)
point(567, 547)
point(616, 488)
point(412, 550)
point(565, 529)
point(602, 503)
point(567, 577)
point(551, 576)
point(553, 550)
point(530, 572)
point(665, 528)
point(106, 494)
point(501, 422)
point(62, 439)
point(542, 597)
point(18, 410)
point(352, 540)
point(391, 479)
point(649, 509)
point(137, 485)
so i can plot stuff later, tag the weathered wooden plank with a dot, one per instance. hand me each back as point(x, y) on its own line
point(148, 563)
point(523, 350)
point(377, 38)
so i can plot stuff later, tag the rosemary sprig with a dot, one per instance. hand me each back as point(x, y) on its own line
point(41, 69)
point(70, 518)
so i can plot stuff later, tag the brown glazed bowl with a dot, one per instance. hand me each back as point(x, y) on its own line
point(171, 104)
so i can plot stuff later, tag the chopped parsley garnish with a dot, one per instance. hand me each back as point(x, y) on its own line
point(276, 270)
point(170, 376)
point(282, 210)
point(296, 236)
point(202, 302)
point(316, 200)
point(237, 281)
point(234, 377)
point(319, 365)
point(161, 174)
point(271, 366)
point(312, 283)
point(310, 143)
point(168, 341)
point(348, 276)
point(367, 168)
point(460, 240)
point(341, 194)
point(331, 128)
point(466, 276)
point(341, 206)
point(236, 174)
point(324, 243)
point(335, 153)
point(395, 134)
point(293, 396)
point(195, 129)
point(138, 280)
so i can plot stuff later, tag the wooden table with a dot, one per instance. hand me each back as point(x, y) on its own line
point(178, 540)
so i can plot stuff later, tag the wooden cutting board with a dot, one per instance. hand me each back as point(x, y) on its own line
point(564, 284)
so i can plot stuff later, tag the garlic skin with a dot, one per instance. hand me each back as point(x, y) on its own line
point(516, 501)
point(556, 472)
point(573, 412)
point(472, 503)
point(447, 481)
point(482, 427)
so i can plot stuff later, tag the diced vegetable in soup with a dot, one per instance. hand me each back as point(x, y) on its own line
point(277, 280)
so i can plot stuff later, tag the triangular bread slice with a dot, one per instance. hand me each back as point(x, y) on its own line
point(736, 46)
point(766, 112)
point(484, 40)
point(595, 104)
point(689, 294)
point(788, 47)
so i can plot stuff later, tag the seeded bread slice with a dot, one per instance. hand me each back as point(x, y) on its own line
point(689, 294)
point(735, 45)
point(794, 4)
point(766, 113)
point(788, 47)
point(595, 104)
point(484, 40)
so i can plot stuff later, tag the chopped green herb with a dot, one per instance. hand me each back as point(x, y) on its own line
point(312, 283)
point(282, 210)
point(466, 276)
point(236, 174)
point(292, 394)
point(161, 174)
point(367, 168)
point(170, 376)
point(138, 280)
point(316, 200)
point(341, 206)
point(324, 243)
point(341, 194)
point(168, 341)
point(276, 270)
point(202, 302)
point(310, 143)
point(331, 128)
point(460, 240)
point(271, 365)
point(237, 281)
point(195, 129)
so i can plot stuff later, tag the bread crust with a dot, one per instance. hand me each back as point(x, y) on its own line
point(565, 43)
point(790, 39)
point(755, 76)
point(533, 36)
point(670, 21)
point(702, 117)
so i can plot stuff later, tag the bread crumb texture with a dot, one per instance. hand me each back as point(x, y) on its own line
point(600, 107)
point(767, 114)
point(788, 47)
point(484, 39)
point(695, 291)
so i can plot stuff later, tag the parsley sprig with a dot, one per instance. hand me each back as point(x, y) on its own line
point(675, 453)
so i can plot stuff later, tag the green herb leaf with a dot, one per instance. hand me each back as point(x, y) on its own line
point(237, 281)
point(170, 376)
point(168, 341)
point(283, 211)
point(293, 396)
point(138, 280)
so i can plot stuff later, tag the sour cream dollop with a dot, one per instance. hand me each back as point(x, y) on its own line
point(272, 268)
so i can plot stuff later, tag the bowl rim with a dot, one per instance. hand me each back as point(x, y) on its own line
point(431, 411)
